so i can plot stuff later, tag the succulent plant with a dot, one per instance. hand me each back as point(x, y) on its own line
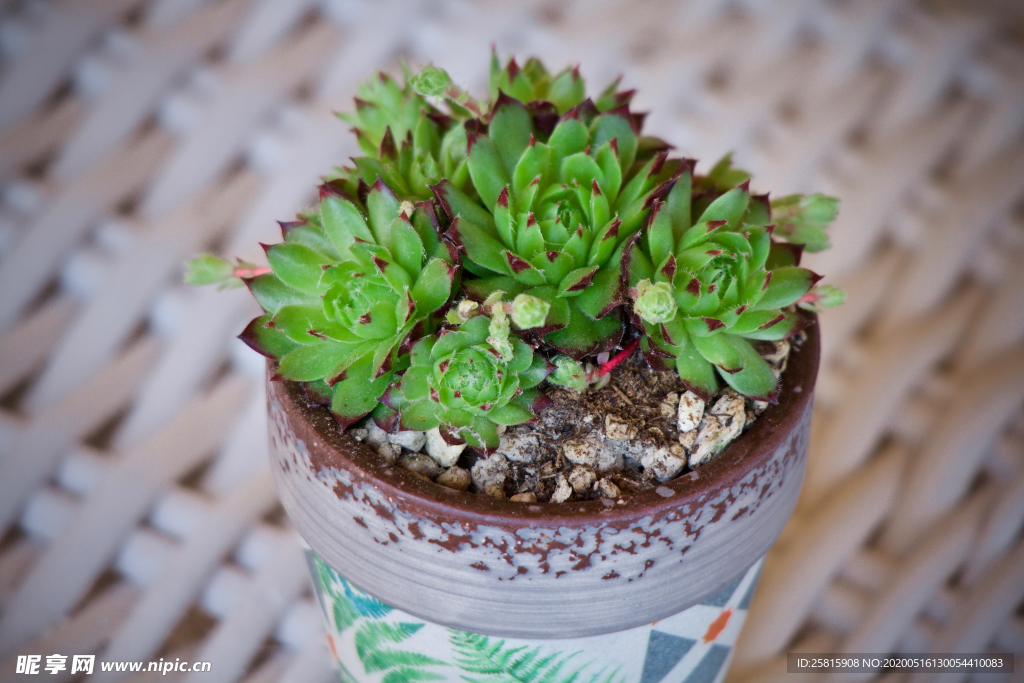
point(475, 240)
point(704, 289)
point(560, 196)
point(468, 379)
point(346, 293)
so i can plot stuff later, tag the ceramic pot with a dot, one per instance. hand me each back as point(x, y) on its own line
point(388, 545)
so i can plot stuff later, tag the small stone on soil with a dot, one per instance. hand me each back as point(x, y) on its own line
point(443, 453)
point(359, 434)
point(606, 488)
point(723, 423)
point(617, 429)
point(664, 462)
point(457, 478)
point(582, 451)
point(389, 452)
point(420, 464)
point(375, 436)
point(524, 498)
point(409, 440)
point(490, 473)
point(582, 479)
point(563, 491)
point(691, 410)
point(519, 447)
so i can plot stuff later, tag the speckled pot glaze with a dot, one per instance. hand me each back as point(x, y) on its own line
point(537, 571)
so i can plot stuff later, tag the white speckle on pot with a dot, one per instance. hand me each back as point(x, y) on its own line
point(618, 429)
point(389, 452)
point(664, 462)
point(581, 451)
point(669, 405)
point(524, 498)
point(455, 478)
point(519, 446)
point(443, 453)
point(691, 409)
point(562, 490)
point(664, 492)
point(608, 489)
point(409, 440)
point(420, 464)
point(582, 479)
point(375, 436)
point(490, 472)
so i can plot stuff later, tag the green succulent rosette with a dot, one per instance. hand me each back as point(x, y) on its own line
point(702, 290)
point(468, 380)
point(556, 206)
point(406, 141)
point(349, 286)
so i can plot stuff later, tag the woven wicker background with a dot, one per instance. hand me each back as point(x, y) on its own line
point(137, 514)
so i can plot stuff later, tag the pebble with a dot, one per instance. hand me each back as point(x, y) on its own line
point(723, 423)
point(409, 440)
point(664, 462)
point(582, 451)
point(420, 464)
point(687, 439)
point(375, 436)
point(563, 491)
point(489, 473)
point(781, 353)
point(389, 452)
point(524, 498)
point(730, 404)
point(456, 478)
point(443, 453)
point(519, 447)
point(495, 491)
point(691, 409)
point(618, 429)
point(607, 489)
point(582, 479)
point(669, 405)
point(359, 434)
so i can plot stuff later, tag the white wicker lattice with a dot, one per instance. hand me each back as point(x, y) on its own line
point(134, 493)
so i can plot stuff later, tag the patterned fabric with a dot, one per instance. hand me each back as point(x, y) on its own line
point(374, 643)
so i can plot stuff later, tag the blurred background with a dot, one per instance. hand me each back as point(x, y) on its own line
point(137, 515)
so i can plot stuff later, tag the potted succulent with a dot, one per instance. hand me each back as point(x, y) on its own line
point(539, 394)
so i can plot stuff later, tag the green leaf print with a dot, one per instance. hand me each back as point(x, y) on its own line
point(480, 655)
point(366, 605)
point(407, 675)
point(371, 640)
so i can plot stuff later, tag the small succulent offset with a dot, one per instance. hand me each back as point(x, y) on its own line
point(470, 378)
point(479, 248)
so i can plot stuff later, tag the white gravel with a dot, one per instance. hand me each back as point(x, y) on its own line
point(443, 453)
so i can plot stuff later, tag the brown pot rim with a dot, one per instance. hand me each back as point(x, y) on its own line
point(753, 448)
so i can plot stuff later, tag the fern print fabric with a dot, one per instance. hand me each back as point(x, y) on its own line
point(375, 643)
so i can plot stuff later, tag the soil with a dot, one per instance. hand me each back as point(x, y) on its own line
point(602, 443)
